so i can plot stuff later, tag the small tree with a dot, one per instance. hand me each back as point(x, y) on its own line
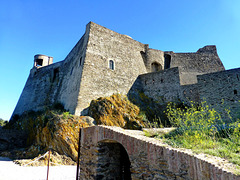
point(3, 122)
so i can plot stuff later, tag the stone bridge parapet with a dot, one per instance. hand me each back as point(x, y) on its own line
point(114, 153)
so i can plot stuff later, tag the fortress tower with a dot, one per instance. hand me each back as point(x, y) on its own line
point(42, 60)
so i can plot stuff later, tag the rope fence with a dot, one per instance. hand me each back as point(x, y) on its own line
point(36, 159)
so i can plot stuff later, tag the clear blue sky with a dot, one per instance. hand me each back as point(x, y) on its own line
point(53, 27)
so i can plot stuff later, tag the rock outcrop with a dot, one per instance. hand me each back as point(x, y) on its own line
point(59, 130)
point(50, 129)
point(116, 110)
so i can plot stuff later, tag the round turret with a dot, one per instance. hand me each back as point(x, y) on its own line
point(42, 60)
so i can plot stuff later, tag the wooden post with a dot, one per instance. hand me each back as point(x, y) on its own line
point(78, 159)
point(49, 152)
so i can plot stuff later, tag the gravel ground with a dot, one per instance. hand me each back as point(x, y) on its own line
point(11, 171)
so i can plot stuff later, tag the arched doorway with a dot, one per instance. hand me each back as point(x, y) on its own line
point(112, 161)
point(156, 67)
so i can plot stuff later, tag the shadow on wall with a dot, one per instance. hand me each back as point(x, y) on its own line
point(151, 110)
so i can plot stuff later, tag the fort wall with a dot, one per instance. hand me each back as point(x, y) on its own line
point(98, 78)
point(204, 61)
point(162, 86)
point(219, 87)
point(214, 88)
point(104, 62)
point(38, 88)
point(154, 60)
point(55, 83)
point(72, 69)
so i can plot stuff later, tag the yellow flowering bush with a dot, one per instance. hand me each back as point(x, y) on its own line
point(201, 128)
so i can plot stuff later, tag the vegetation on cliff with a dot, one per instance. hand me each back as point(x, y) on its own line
point(3, 122)
point(116, 110)
point(51, 129)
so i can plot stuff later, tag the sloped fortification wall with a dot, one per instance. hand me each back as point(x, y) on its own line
point(98, 79)
point(56, 83)
point(72, 75)
point(38, 89)
point(221, 86)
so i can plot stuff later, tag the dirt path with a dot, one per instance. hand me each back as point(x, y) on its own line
point(11, 171)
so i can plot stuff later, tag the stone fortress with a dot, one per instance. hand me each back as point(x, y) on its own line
point(104, 62)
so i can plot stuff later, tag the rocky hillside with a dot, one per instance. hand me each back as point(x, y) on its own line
point(51, 129)
point(59, 130)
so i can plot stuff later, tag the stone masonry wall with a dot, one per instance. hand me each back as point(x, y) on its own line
point(221, 86)
point(98, 80)
point(72, 75)
point(214, 88)
point(204, 61)
point(154, 56)
point(38, 88)
point(149, 158)
point(56, 83)
point(162, 86)
point(85, 74)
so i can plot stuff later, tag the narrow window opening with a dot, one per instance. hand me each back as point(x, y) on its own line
point(71, 71)
point(111, 64)
point(80, 62)
point(235, 92)
point(237, 77)
point(167, 61)
point(39, 62)
point(55, 74)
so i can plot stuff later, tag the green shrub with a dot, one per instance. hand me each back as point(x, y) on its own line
point(201, 128)
point(3, 122)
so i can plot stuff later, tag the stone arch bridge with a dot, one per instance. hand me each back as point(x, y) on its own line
point(114, 153)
